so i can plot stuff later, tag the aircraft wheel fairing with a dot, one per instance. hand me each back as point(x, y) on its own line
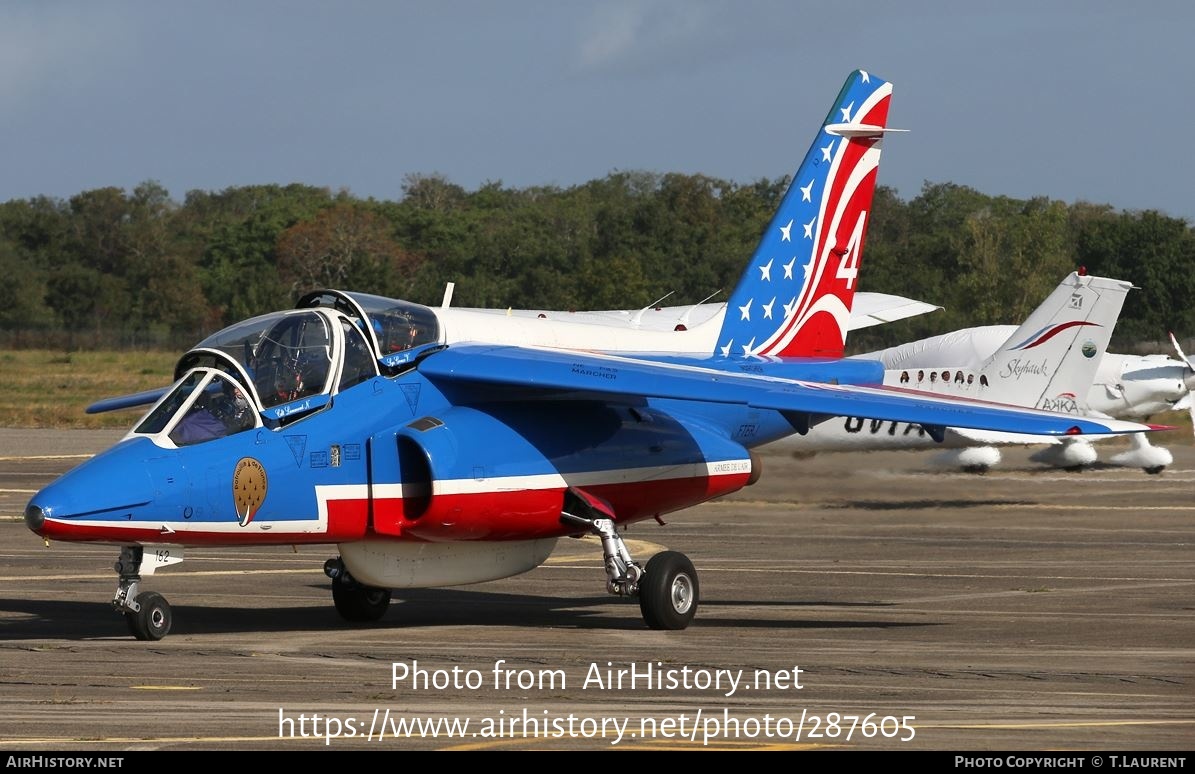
point(1142, 454)
point(357, 603)
point(668, 591)
point(152, 621)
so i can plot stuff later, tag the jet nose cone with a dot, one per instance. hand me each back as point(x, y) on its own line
point(111, 486)
point(35, 517)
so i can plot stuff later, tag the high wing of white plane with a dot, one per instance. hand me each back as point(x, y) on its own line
point(1055, 360)
point(869, 309)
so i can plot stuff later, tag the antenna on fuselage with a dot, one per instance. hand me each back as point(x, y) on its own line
point(448, 288)
point(684, 318)
point(638, 318)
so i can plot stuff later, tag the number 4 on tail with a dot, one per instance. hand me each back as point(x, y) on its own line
point(849, 268)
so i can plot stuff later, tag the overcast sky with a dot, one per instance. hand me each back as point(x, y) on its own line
point(1072, 99)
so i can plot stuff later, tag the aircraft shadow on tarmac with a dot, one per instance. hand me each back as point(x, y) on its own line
point(417, 608)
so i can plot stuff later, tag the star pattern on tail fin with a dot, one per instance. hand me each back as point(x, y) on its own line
point(818, 227)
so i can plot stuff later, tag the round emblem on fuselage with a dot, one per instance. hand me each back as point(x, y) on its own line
point(1089, 348)
point(248, 489)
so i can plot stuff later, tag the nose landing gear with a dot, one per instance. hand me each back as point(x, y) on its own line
point(147, 613)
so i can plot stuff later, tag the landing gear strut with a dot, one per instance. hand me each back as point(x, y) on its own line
point(667, 587)
point(355, 601)
point(147, 614)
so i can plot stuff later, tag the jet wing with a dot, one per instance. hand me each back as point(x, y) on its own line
point(532, 369)
point(127, 401)
point(990, 438)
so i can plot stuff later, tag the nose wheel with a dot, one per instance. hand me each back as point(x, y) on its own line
point(152, 621)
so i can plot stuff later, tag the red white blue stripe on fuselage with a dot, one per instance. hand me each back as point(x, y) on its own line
point(507, 508)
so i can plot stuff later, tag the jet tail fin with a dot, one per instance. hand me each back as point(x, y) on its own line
point(794, 298)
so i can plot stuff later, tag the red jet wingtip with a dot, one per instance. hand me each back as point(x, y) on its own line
point(1162, 427)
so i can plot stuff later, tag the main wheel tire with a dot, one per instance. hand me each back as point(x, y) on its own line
point(359, 603)
point(1154, 470)
point(668, 591)
point(152, 622)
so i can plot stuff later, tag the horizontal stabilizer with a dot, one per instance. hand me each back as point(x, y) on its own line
point(859, 130)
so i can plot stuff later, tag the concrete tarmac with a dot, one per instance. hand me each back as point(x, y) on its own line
point(850, 601)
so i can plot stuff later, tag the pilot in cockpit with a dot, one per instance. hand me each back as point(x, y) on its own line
point(233, 408)
point(222, 409)
point(288, 383)
point(402, 333)
point(411, 336)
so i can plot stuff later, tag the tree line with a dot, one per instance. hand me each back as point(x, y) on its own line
point(136, 268)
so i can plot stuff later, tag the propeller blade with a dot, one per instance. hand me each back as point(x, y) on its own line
point(1179, 350)
point(1189, 380)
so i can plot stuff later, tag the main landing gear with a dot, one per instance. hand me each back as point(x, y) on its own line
point(147, 613)
point(355, 601)
point(667, 587)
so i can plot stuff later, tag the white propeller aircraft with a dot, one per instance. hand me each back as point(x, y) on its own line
point(1124, 387)
point(1054, 360)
